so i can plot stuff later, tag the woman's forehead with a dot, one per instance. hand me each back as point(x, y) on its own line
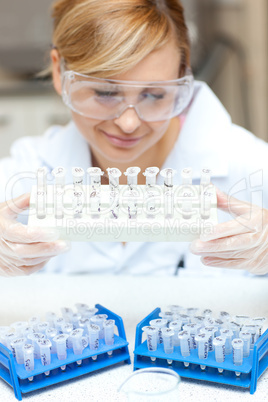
point(160, 65)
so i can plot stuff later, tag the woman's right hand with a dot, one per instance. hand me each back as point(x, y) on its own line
point(23, 249)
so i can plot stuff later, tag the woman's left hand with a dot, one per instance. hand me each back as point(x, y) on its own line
point(241, 243)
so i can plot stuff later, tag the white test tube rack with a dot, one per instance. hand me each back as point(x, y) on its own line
point(176, 210)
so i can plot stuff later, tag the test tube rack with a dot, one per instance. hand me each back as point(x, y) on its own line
point(123, 213)
point(251, 369)
point(17, 377)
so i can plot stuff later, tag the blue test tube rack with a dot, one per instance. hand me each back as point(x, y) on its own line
point(17, 377)
point(251, 369)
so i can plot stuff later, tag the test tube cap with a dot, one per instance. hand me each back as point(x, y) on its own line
point(151, 171)
point(132, 171)
point(115, 172)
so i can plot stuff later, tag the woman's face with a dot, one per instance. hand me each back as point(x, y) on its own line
point(126, 138)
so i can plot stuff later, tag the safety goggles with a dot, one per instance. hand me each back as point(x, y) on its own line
point(105, 99)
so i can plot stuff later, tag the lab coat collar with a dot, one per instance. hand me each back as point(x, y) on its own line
point(205, 136)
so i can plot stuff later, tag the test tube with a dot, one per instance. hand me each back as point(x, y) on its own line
point(50, 334)
point(198, 319)
point(210, 330)
point(246, 338)
point(59, 323)
point(45, 352)
point(26, 331)
point(186, 176)
point(219, 345)
point(168, 334)
point(109, 333)
point(167, 315)
point(241, 319)
point(67, 328)
point(176, 327)
point(89, 312)
point(75, 319)
point(60, 341)
point(42, 327)
point(34, 338)
point(83, 323)
point(19, 327)
point(114, 175)
point(205, 177)
point(186, 198)
point(78, 175)
point(237, 345)
point(81, 307)
point(228, 334)
point(175, 308)
point(207, 312)
point(185, 340)
point(159, 324)
point(67, 313)
point(95, 174)
point(192, 328)
point(3, 331)
point(225, 316)
point(18, 345)
point(93, 337)
point(152, 334)
point(33, 322)
point(168, 175)
point(132, 176)
point(9, 338)
point(99, 319)
point(28, 352)
point(185, 319)
point(59, 174)
point(254, 331)
point(51, 317)
point(206, 198)
point(132, 180)
point(79, 342)
point(209, 321)
point(202, 346)
point(192, 311)
point(235, 327)
point(219, 324)
point(41, 193)
point(151, 195)
point(258, 321)
point(150, 174)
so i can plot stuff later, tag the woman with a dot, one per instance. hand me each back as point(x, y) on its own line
point(110, 46)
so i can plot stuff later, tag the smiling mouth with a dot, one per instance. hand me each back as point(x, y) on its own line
point(125, 142)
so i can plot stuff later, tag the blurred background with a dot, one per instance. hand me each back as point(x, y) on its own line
point(229, 52)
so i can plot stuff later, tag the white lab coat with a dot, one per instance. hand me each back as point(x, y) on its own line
point(207, 139)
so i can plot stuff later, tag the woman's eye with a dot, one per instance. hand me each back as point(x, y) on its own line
point(104, 94)
point(152, 96)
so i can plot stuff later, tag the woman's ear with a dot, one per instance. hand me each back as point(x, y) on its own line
point(56, 73)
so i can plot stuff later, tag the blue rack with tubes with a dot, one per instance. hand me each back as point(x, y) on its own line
point(17, 377)
point(251, 369)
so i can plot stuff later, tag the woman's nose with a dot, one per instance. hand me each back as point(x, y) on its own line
point(129, 120)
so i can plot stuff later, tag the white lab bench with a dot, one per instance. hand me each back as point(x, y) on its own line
point(132, 298)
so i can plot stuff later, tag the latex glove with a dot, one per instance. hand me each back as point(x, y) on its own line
point(241, 243)
point(23, 249)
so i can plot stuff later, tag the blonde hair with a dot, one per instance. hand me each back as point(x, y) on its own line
point(107, 37)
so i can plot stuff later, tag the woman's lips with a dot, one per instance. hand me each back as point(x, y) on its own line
point(121, 142)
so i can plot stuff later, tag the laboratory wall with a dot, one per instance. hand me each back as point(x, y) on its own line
point(229, 52)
